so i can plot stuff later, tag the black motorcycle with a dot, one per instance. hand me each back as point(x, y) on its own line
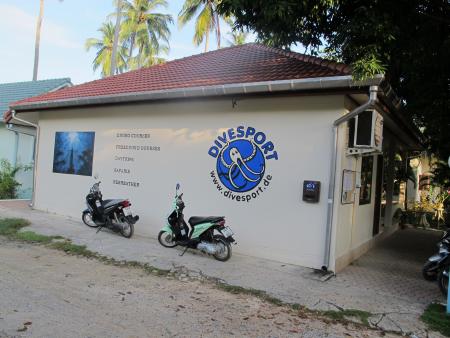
point(207, 234)
point(114, 214)
point(436, 263)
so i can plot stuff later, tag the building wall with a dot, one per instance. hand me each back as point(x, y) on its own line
point(7, 144)
point(276, 225)
point(18, 149)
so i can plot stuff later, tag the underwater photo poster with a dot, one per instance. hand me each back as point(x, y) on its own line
point(74, 152)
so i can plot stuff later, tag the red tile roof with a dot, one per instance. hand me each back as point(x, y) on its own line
point(239, 64)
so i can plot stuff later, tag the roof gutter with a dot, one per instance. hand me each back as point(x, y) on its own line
point(332, 82)
point(36, 152)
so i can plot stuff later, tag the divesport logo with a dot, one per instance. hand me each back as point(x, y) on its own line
point(242, 155)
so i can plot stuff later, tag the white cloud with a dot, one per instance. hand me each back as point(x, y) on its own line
point(23, 25)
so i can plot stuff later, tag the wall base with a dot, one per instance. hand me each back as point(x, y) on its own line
point(357, 252)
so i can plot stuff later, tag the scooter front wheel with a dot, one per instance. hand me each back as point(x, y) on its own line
point(166, 239)
point(87, 219)
point(443, 282)
point(430, 271)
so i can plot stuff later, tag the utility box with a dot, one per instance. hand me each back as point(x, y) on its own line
point(365, 133)
point(311, 191)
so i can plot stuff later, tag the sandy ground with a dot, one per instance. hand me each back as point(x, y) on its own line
point(46, 293)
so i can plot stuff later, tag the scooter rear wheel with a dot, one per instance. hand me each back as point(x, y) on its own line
point(225, 253)
point(166, 239)
point(128, 230)
point(87, 219)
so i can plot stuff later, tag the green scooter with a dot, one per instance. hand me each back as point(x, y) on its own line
point(207, 234)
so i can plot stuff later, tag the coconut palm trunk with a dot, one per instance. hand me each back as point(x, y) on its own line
point(207, 41)
point(38, 40)
point(218, 29)
point(116, 38)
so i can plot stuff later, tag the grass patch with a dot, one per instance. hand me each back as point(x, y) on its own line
point(345, 314)
point(436, 318)
point(253, 292)
point(73, 249)
point(30, 236)
point(10, 226)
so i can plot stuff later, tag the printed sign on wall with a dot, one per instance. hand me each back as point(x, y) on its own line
point(242, 155)
point(74, 153)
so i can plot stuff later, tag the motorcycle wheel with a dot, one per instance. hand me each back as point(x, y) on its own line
point(128, 230)
point(443, 282)
point(427, 274)
point(87, 219)
point(166, 239)
point(225, 253)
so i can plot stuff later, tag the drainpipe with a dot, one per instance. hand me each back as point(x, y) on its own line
point(16, 148)
point(36, 152)
point(330, 208)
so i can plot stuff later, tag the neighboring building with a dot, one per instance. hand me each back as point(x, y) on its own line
point(249, 133)
point(17, 143)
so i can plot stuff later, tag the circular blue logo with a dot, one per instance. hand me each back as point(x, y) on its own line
point(240, 165)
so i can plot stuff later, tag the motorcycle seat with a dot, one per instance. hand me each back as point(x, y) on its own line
point(109, 203)
point(195, 220)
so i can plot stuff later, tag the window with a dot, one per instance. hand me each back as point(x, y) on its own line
point(365, 193)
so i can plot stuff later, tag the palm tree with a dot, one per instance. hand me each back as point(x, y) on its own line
point(145, 30)
point(116, 37)
point(37, 42)
point(104, 47)
point(208, 20)
point(237, 38)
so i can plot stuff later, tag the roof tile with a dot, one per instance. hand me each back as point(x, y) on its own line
point(232, 65)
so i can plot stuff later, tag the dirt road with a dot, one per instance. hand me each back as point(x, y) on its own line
point(45, 293)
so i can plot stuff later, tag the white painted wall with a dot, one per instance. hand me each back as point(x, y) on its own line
point(7, 141)
point(22, 156)
point(277, 225)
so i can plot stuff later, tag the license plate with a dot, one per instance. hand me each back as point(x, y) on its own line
point(127, 211)
point(227, 232)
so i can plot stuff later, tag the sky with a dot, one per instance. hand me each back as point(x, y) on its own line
point(66, 26)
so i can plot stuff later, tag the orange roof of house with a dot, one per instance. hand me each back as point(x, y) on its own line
point(247, 63)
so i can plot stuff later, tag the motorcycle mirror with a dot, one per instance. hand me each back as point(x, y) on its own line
point(178, 186)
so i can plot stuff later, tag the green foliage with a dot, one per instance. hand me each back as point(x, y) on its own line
point(73, 249)
point(8, 182)
point(407, 40)
point(103, 47)
point(30, 236)
point(141, 29)
point(346, 314)
point(237, 38)
point(207, 20)
point(146, 30)
point(436, 318)
point(11, 226)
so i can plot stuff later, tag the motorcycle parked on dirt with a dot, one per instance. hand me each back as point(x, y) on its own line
point(207, 234)
point(114, 214)
point(435, 264)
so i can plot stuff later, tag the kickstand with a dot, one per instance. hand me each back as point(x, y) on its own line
point(184, 251)
point(99, 228)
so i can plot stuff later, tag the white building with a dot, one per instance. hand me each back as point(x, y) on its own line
point(17, 141)
point(285, 114)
